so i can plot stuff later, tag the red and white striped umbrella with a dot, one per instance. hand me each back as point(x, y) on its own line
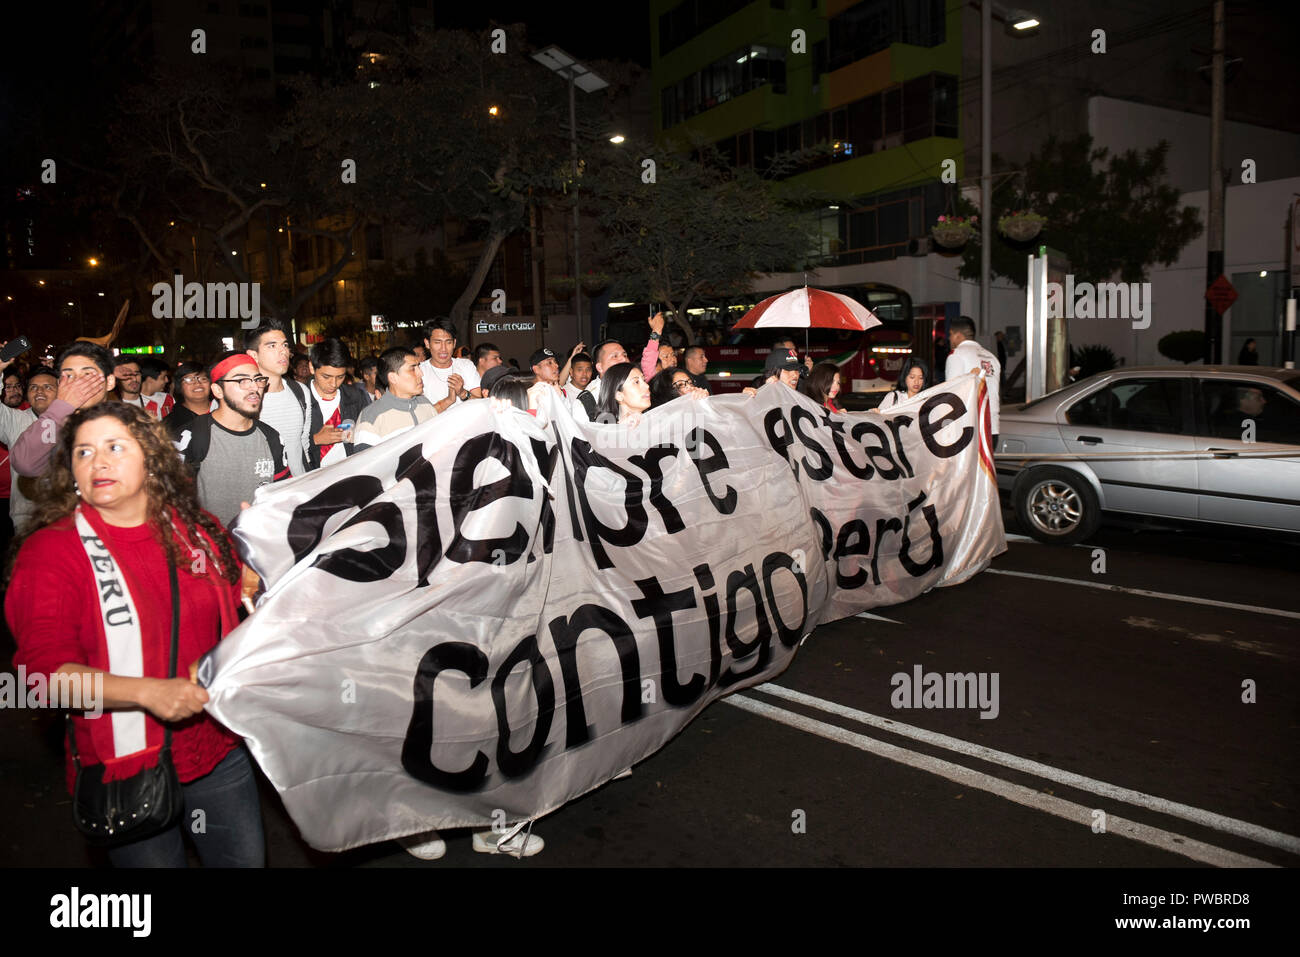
point(806, 308)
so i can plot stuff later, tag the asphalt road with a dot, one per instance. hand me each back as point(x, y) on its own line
point(1121, 737)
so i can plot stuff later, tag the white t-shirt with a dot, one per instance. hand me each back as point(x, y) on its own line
point(282, 412)
point(891, 399)
point(337, 452)
point(435, 379)
point(971, 355)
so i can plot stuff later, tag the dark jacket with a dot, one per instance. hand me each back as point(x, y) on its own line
point(352, 399)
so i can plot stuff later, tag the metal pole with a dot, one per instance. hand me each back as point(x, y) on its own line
point(1214, 231)
point(986, 163)
point(577, 267)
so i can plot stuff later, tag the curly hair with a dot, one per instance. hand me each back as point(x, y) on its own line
point(168, 485)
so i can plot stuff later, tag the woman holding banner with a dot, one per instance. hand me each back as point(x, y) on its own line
point(624, 395)
point(913, 380)
point(823, 385)
point(123, 586)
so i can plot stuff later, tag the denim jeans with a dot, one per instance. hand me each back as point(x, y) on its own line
point(227, 834)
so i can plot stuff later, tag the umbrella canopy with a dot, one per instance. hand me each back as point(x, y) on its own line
point(806, 308)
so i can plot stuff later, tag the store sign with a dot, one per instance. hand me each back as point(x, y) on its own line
point(482, 327)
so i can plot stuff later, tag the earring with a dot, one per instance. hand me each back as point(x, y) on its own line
point(76, 489)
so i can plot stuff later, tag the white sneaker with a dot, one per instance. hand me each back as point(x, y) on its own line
point(514, 842)
point(427, 846)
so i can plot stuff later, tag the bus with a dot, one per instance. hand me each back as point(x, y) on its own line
point(870, 362)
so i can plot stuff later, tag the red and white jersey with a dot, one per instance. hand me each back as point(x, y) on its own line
point(158, 405)
point(971, 356)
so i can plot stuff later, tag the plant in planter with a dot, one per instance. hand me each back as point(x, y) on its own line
point(954, 232)
point(1021, 225)
point(562, 287)
point(594, 283)
point(1091, 360)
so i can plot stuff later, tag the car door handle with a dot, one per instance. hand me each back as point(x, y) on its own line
point(1090, 439)
point(1223, 453)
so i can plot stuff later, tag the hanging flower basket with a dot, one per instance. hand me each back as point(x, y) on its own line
point(562, 287)
point(594, 283)
point(1022, 225)
point(954, 232)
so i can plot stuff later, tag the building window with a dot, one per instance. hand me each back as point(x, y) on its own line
point(867, 28)
point(740, 71)
point(691, 18)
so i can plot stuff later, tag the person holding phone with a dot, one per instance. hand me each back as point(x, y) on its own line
point(335, 406)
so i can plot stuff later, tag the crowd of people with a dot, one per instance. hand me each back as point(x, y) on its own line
point(143, 468)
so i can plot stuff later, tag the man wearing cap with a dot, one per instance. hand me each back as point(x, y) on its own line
point(232, 452)
point(546, 367)
point(783, 366)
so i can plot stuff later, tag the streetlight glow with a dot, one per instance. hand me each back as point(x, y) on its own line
point(94, 262)
point(493, 110)
point(617, 138)
point(1027, 24)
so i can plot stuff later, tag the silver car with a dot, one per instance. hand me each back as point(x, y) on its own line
point(1237, 429)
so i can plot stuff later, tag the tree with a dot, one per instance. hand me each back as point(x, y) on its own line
point(413, 295)
point(419, 125)
point(1106, 215)
point(696, 228)
point(190, 157)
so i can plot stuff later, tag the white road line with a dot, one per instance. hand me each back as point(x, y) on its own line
point(1034, 541)
point(1036, 800)
point(1219, 822)
point(1280, 612)
point(867, 614)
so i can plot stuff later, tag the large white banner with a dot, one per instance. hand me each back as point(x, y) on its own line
point(486, 617)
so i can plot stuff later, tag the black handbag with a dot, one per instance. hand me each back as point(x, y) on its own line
point(113, 813)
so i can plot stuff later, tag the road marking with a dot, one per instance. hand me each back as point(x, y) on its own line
point(1218, 822)
point(1034, 541)
point(867, 614)
point(1281, 613)
point(1035, 800)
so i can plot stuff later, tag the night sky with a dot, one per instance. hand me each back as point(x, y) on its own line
point(591, 29)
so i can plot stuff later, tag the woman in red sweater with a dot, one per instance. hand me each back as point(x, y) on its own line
point(118, 500)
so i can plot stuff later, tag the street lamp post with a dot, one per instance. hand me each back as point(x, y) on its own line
point(1018, 23)
point(578, 75)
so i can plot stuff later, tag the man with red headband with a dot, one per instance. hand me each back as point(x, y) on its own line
point(232, 453)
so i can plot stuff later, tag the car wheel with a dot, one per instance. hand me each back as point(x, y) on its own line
point(1057, 506)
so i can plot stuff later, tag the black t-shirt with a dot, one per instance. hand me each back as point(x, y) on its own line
point(176, 421)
